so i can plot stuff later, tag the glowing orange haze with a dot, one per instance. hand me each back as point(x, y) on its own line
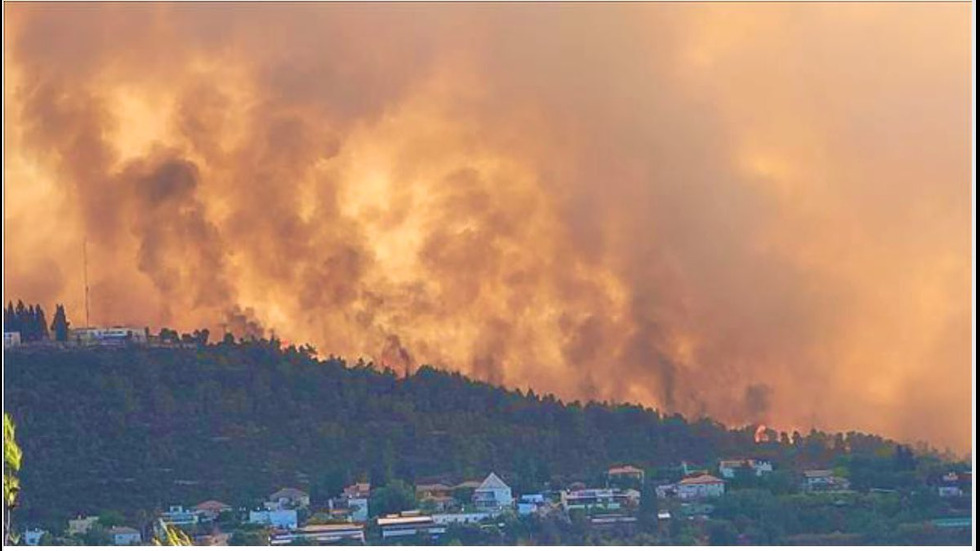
point(757, 212)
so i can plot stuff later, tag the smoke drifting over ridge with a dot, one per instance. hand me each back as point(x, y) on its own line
point(761, 213)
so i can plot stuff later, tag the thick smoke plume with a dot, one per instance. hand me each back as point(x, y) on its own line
point(760, 213)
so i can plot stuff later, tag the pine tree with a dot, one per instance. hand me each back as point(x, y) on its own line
point(60, 324)
point(30, 324)
point(42, 323)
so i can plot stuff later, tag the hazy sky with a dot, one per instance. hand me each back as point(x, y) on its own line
point(759, 212)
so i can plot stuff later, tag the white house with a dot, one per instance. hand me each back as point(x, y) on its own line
point(124, 535)
point(289, 497)
point(952, 485)
point(529, 504)
point(729, 467)
point(492, 494)
point(358, 507)
point(10, 339)
point(176, 515)
point(823, 480)
point(278, 518)
point(33, 536)
point(594, 498)
point(665, 491)
point(699, 487)
point(81, 525)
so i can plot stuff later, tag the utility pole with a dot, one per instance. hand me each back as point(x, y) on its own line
point(85, 276)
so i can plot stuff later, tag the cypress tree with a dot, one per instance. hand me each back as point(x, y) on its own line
point(9, 318)
point(30, 324)
point(60, 324)
point(42, 323)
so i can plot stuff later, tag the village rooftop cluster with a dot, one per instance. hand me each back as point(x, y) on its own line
point(287, 516)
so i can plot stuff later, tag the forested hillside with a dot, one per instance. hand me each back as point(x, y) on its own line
point(138, 428)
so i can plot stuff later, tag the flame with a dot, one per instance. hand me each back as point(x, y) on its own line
point(761, 435)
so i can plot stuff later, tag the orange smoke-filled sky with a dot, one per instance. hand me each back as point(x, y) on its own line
point(758, 212)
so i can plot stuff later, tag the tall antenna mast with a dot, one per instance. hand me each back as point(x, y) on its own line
point(85, 275)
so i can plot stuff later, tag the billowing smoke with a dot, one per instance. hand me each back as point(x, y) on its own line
point(760, 213)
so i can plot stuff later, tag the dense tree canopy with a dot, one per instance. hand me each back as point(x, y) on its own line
point(138, 428)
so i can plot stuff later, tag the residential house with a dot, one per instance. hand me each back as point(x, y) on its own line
point(695, 509)
point(358, 509)
point(11, 339)
point(730, 467)
point(33, 536)
point(176, 515)
point(410, 524)
point(210, 509)
point(287, 498)
point(319, 534)
point(955, 484)
point(666, 491)
point(276, 518)
point(627, 472)
point(81, 525)
point(529, 504)
point(700, 487)
point(594, 498)
point(468, 485)
point(438, 496)
point(356, 490)
point(492, 494)
point(124, 535)
point(823, 480)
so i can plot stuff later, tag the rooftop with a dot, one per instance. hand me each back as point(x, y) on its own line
point(701, 479)
point(493, 482)
point(394, 521)
point(289, 493)
point(625, 469)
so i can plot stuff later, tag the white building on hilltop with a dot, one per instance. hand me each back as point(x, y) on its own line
point(492, 494)
point(108, 336)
